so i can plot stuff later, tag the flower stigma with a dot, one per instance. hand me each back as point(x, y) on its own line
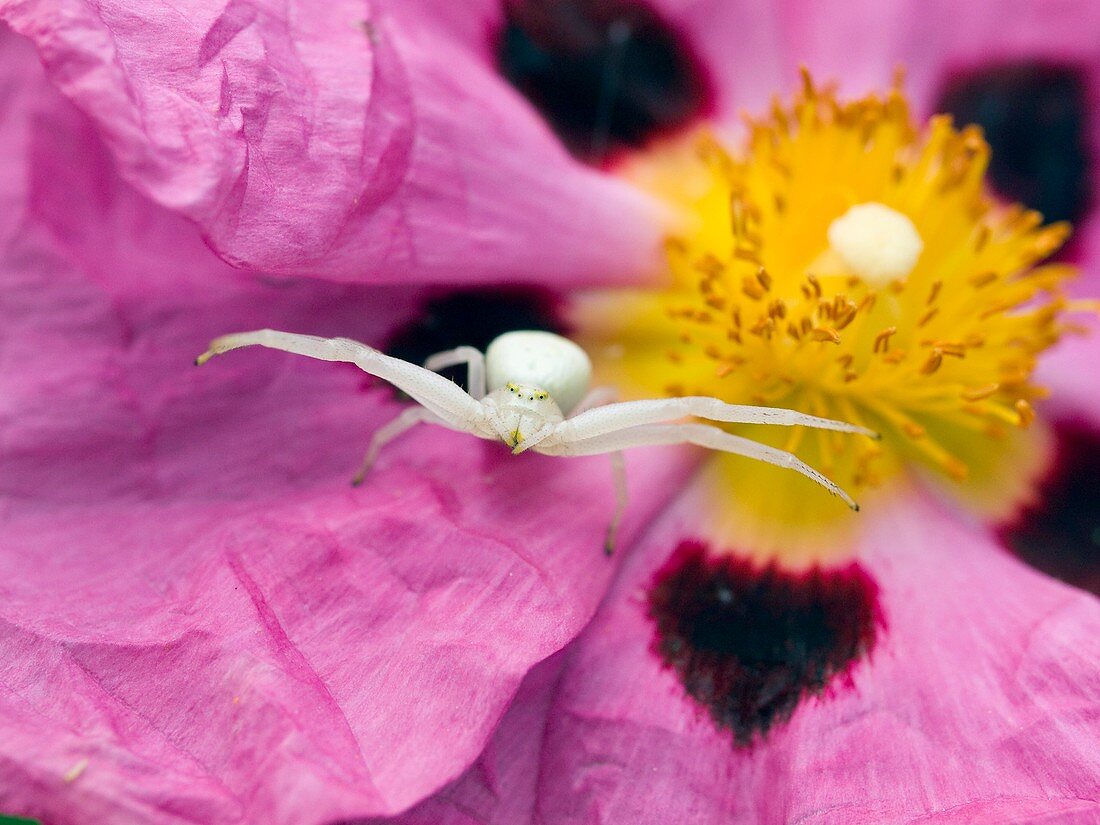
point(876, 243)
point(847, 264)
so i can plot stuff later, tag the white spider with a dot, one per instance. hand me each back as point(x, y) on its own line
point(534, 380)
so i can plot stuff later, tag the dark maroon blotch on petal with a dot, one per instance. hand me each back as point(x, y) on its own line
point(606, 74)
point(749, 643)
point(473, 318)
point(1035, 117)
point(1060, 533)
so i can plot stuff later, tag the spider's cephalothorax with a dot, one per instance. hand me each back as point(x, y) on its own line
point(536, 379)
point(524, 411)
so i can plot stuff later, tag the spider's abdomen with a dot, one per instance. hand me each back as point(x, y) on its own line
point(539, 359)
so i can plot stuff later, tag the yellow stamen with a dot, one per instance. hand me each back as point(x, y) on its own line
point(854, 267)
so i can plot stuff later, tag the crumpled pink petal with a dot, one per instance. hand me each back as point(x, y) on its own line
point(352, 140)
point(503, 786)
point(978, 704)
point(200, 620)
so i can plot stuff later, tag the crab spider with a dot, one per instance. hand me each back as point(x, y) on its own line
point(522, 389)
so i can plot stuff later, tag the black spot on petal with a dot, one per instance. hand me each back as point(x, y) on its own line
point(1035, 117)
point(1060, 533)
point(750, 643)
point(473, 318)
point(604, 73)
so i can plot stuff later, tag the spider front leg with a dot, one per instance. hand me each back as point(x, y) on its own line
point(443, 403)
point(703, 435)
point(474, 359)
point(431, 390)
point(612, 417)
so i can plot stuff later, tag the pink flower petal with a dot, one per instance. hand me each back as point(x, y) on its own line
point(339, 140)
point(862, 45)
point(1068, 372)
point(977, 705)
point(201, 620)
point(738, 44)
point(503, 786)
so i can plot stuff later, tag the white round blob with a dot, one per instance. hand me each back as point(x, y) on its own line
point(877, 243)
point(539, 359)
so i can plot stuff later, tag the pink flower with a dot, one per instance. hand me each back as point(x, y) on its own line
point(204, 623)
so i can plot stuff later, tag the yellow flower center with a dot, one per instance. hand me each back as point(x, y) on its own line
point(848, 265)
